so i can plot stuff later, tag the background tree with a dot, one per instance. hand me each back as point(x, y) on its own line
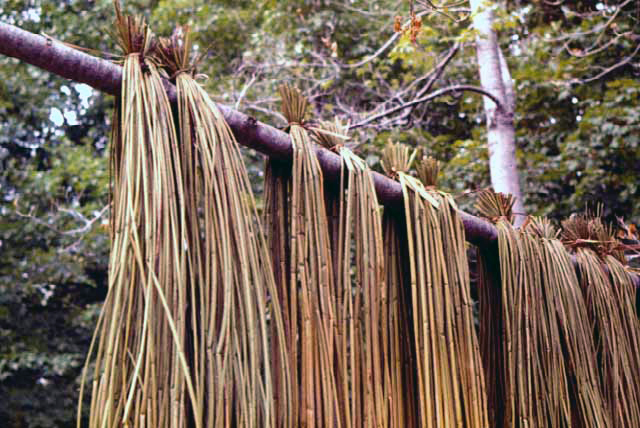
point(496, 79)
point(575, 66)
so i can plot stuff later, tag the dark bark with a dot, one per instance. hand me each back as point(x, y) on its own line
point(107, 76)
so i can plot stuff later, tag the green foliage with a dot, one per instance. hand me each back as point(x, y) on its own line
point(53, 180)
point(579, 137)
point(578, 141)
point(52, 273)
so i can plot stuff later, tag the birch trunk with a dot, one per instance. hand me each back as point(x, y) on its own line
point(495, 78)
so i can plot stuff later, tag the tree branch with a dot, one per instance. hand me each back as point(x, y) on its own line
point(383, 48)
point(106, 77)
point(438, 71)
point(608, 70)
point(433, 95)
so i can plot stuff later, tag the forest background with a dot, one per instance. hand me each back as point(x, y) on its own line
point(575, 66)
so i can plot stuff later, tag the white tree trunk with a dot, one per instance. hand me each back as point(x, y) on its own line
point(495, 78)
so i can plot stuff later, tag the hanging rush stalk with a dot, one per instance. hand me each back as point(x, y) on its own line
point(141, 375)
point(363, 356)
point(450, 381)
point(609, 300)
point(299, 241)
point(240, 361)
point(536, 335)
point(405, 407)
point(184, 336)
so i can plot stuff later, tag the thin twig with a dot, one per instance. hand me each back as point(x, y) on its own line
point(608, 69)
point(436, 94)
point(244, 90)
point(383, 48)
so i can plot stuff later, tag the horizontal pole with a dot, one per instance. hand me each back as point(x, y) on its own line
point(105, 76)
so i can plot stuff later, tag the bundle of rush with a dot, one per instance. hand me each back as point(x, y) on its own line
point(405, 409)
point(535, 333)
point(301, 249)
point(190, 334)
point(450, 381)
point(609, 295)
point(141, 369)
point(363, 359)
point(238, 335)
